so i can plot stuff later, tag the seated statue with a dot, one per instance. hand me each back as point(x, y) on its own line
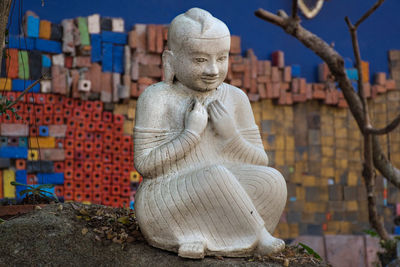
point(206, 186)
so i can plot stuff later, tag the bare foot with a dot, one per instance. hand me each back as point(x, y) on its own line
point(269, 244)
point(192, 250)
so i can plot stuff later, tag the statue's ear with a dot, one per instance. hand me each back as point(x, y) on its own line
point(167, 58)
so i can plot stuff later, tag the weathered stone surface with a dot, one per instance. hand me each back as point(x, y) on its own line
point(317, 243)
point(58, 240)
point(345, 250)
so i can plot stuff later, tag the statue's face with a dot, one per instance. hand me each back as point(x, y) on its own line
point(202, 64)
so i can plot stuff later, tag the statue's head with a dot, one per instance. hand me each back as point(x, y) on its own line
point(198, 50)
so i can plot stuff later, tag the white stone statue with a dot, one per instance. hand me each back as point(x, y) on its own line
point(206, 186)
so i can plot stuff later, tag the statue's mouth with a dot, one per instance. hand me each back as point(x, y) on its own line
point(209, 80)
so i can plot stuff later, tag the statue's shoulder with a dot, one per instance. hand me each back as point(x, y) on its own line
point(156, 92)
point(236, 94)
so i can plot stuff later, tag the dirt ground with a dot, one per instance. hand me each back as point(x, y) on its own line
point(73, 234)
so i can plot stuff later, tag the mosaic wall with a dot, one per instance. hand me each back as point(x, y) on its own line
point(75, 129)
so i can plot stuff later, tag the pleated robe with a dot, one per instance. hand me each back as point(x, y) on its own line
point(196, 189)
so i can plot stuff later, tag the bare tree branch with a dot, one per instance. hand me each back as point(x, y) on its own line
point(369, 13)
point(336, 65)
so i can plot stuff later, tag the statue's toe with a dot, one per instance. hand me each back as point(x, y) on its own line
point(269, 244)
point(192, 250)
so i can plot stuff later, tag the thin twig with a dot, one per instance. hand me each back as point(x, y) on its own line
point(270, 17)
point(369, 13)
point(388, 128)
point(357, 55)
point(26, 91)
point(294, 9)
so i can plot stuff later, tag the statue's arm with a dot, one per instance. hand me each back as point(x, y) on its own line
point(157, 160)
point(245, 147)
point(156, 147)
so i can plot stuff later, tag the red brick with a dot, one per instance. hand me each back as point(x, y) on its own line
point(287, 74)
point(238, 67)
point(295, 86)
point(247, 74)
point(268, 88)
point(106, 87)
point(94, 76)
point(82, 62)
point(116, 83)
point(146, 81)
point(323, 72)
point(253, 63)
point(148, 59)
point(132, 39)
point(380, 88)
point(276, 75)
point(335, 97)
point(267, 67)
point(53, 154)
point(343, 103)
point(125, 93)
point(229, 75)
point(318, 91)
point(159, 39)
point(134, 90)
point(299, 98)
point(309, 91)
point(236, 59)
point(165, 33)
point(14, 129)
point(235, 45)
point(276, 88)
point(390, 84)
point(302, 86)
point(367, 90)
point(74, 83)
point(57, 130)
point(69, 62)
point(278, 59)
point(12, 63)
point(282, 97)
point(151, 37)
point(262, 90)
point(59, 80)
point(260, 68)
point(253, 86)
point(153, 71)
point(141, 38)
point(236, 82)
point(380, 78)
point(289, 98)
point(263, 79)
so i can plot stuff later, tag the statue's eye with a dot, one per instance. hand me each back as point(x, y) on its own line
point(223, 58)
point(200, 59)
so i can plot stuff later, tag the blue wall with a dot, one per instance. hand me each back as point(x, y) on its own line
point(380, 33)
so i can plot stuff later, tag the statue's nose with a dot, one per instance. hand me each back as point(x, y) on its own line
point(212, 69)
